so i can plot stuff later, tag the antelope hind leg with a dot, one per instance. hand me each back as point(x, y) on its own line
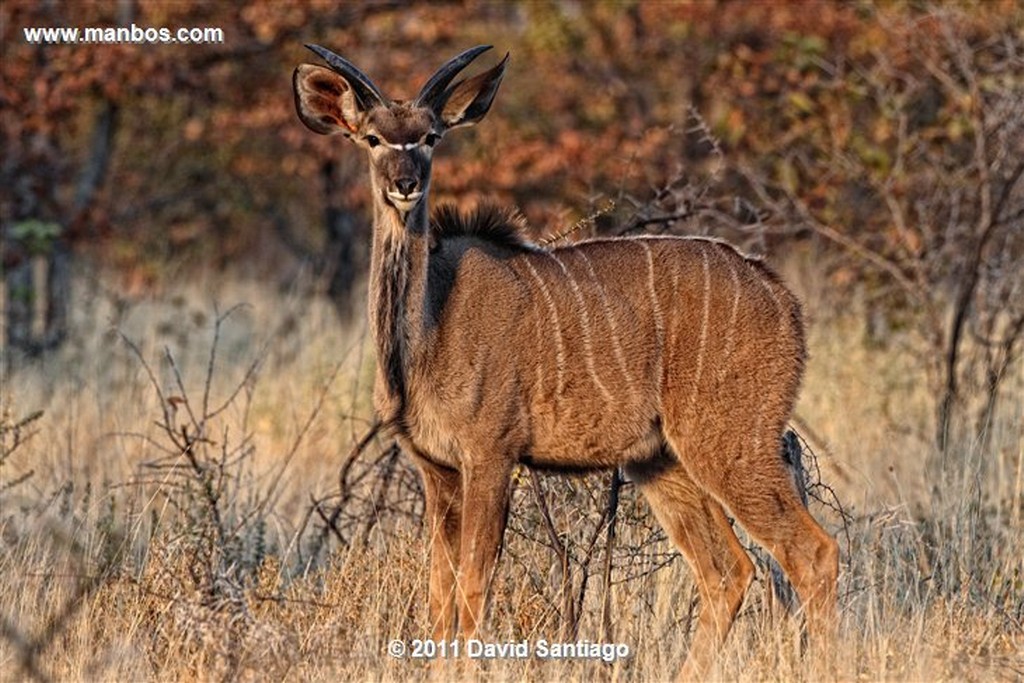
point(806, 552)
point(759, 491)
point(698, 526)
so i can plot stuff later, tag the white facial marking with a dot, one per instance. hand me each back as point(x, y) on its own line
point(403, 202)
point(399, 197)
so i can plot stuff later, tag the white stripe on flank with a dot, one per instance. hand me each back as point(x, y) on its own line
point(730, 335)
point(538, 358)
point(612, 325)
point(559, 345)
point(783, 320)
point(659, 321)
point(704, 319)
point(588, 346)
point(758, 426)
point(676, 320)
point(784, 331)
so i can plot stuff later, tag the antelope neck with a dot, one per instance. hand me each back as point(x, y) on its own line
point(398, 276)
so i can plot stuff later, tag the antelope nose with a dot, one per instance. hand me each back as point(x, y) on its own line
point(406, 186)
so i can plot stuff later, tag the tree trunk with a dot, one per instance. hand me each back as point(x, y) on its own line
point(37, 290)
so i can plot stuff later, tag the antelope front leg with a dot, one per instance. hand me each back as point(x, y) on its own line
point(485, 504)
point(443, 507)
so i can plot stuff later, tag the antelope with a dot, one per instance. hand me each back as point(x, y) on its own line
point(676, 359)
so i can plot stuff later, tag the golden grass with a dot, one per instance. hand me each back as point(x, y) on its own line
point(107, 575)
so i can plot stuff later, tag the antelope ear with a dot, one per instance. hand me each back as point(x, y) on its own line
point(325, 101)
point(468, 101)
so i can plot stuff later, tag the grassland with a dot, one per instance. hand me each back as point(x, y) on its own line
point(127, 557)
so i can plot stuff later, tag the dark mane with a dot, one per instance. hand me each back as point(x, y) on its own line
point(488, 222)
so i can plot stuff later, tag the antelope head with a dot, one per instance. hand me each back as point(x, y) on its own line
point(399, 136)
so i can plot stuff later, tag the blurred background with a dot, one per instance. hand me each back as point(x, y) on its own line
point(171, 231)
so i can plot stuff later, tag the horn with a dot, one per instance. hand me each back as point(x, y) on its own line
point(434, 89)
point(365, 90)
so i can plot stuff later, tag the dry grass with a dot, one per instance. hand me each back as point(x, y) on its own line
point(115, 570)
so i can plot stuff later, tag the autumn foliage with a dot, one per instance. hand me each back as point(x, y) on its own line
point(205, 152)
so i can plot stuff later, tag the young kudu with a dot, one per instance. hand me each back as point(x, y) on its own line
point(677, 359)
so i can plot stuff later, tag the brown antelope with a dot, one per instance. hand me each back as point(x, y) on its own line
point(677, 359)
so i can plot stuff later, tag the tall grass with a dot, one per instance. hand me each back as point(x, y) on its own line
point(176, 514)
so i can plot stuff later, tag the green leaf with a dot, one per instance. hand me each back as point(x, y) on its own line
point(37, 236)
point(801, 101)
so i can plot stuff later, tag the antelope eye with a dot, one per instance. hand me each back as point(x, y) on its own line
point(372, 140)
point(431, 139)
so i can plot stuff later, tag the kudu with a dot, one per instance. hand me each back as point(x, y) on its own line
point(677, 359)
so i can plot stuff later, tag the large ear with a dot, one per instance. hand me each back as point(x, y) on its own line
point(468, 101)
point(325, 101)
